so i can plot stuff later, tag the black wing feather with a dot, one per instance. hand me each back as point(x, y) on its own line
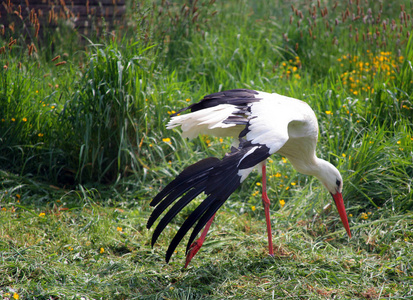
point(237, 97)
point(218, 179)
point(188, 197)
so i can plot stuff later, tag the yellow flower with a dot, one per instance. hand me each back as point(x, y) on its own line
point(253, 208)
point(15, 296)
point(258, 183)
point(102, 250)
point(40, 134)
point(343, 155)
point(187, 100)
point(18, 196)
point(278, 175)
point(13, 119)
point(364, 216)
point(398, 142)
point(42, 214)
point(24, 119)
point(293, 183)
point(70, 248)
point(350, 215)
point(119, 229)
point(282, 203)
point(166, 140)
point(328, 112)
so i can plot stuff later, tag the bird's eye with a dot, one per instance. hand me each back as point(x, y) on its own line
point(338, 182)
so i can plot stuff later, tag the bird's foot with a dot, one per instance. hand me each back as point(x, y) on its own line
point(193, 249)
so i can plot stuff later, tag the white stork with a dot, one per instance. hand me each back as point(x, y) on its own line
point(264, 124)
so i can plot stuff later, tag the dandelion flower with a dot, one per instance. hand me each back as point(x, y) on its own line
point(166, 140)
point(42, 214)
point(328, 112)
point(15, 296)
point(258, 183)
point(119, 229)
point(282, 203)
point(253, 208)
point(102, 250)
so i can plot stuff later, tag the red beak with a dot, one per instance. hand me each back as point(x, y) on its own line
point(338, 199)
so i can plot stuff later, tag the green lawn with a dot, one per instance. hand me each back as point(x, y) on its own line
point(84, 149)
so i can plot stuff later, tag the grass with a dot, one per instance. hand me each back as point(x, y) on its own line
point(83, 150)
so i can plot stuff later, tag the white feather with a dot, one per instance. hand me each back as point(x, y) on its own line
point(206, 121)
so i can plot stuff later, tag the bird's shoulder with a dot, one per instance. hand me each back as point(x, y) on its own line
point(276, 118)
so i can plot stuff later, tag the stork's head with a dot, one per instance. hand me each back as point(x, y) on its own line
point(331, 178)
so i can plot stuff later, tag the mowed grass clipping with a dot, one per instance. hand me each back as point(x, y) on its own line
point(83, 150)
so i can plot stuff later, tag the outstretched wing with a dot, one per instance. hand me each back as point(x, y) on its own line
point(218, 179)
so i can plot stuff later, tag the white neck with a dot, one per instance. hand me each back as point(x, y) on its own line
point(323, 170)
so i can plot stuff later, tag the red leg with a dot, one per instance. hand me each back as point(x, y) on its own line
point(195, 246)
point(266, 202)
